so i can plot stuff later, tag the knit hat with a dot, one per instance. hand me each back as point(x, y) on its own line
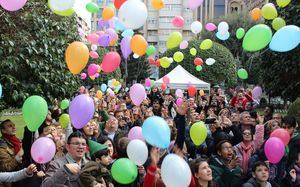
point(95, 146)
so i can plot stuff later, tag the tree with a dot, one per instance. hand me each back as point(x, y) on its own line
point(33, 44)
point(223, 71)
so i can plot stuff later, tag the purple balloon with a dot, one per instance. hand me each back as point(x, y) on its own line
point(92, 69)
point(136, 133)
point(256, 92)
point(193, 4)
point(43, 150)
point(12, 5)
point(112, 34)
point(274, 149)
point(102, 24)
point(184, 44)
point(104, 40)
point(137, 94)
point(179, 93)
point(81, 110)
point(125, 46)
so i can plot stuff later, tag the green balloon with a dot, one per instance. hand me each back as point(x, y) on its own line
point(257, 38)
point(240, 33)
point(174, 40)
point(242, 73)
point(64, 120)
point(198, 68)
point(64, 104)
point(35, 110)
point(278, 23)
point(124, 171)
point(152, 83)
point(92, 7)
point(193, 51)
point(150, 50)
point(178, 56)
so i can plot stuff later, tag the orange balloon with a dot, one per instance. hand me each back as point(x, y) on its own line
point(192, 91)
point(138, 44)
point(108, 13)
point(157, 4)
point(256, 14)
point(114, 41)
point(77, 56)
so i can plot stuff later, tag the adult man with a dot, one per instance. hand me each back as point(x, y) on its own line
point(123, 122)
point(111, 129)
point(65, 170)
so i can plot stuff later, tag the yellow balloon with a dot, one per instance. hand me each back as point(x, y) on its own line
point(283, 3)
point(64, 120)
point(108, 13)
point(138, 44)
point(174, 40)
point(278, 23)
point(178, 56)
point(115, 83)
point(198, 133)
point(201, 92)
point(99, 94)
point(77, 56)
point(269, 11)
point(206, 44)
point(99, 69)
point(157, 4)
point(164, 62)
point(92, 77)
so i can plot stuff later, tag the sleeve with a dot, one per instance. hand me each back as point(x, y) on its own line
point(180, 124)
point(86, 176)
point(232, 101)
point(13, 176)
point(259, 136)
point(237, 135)
point(7, 161)
point(249, 98)
point(150, 179)
point(104, 115)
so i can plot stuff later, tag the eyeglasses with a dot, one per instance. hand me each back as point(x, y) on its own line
point(78, 143)
point(247, 134)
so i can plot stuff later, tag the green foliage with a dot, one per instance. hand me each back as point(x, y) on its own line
point(33, 43)
point(294, 109)
point(222, 71)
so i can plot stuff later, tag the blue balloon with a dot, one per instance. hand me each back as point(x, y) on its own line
point(285, 39)
point(223, 36)
point(0, 91)
point(156, 132)
point(119, 26)
point(126, 89)
point(110, 84)
point(127, 32)
point(103, 87)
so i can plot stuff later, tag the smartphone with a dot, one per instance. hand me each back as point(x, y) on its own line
point(210, 120)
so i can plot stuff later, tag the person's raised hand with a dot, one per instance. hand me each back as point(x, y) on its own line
point(182, 109)
point(293, 174)
point(31, 169)
point(154, 155)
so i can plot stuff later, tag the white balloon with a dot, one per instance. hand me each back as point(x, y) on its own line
point(133, 14)
point(137, 151)
point(175, 172)
point(171, 60)
point(135, 56)
point(196, 27)
point(210, 61)
point(94, 47)
point(61, 5)
point(223, 27)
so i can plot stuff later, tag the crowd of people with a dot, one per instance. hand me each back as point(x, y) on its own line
point(232, 155)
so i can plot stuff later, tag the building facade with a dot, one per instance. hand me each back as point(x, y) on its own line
point(83, 18)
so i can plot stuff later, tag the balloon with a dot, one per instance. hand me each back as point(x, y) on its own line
point(164, 62)
point(99, 94)
point(198, 133)
point(157, 62)
point(0, 91)
point(285, 39)
point(92, 69)
point(12, 5)
point(111, 61)
point(137, 94)
point(35, 110)
point(198, 68)
point(198, 61)
point(138, 44)
point(77, 56)
point(274, 150)
point(193, 4)
point(127, 32)
point(256, 92)
point(102, 24)
point(201, 92)
point(192, 90)
point(283, 3)
point(103, 87)
point(96, 75)
point(94, 54)
point(242, 73)
point(148, 82)
point(256, 14)
point(240, 33)
point(43, 150)
point(137, 151)
point(210, 27)
point(178, 56)
point(278, 23)
point(184, 44)
point(124, 171)
point(68, 12)
point(92, 7)
point(136, 133)
point(163, 87)
point(175, 172)
point(174, 40)
point(179, 93)
point(257, 38)
point(133, 14)
point(223, 36)
point(135, 56)
point(93, 38)
point(179, 101)
point(81, 110)
point(282, 134)
point(125, 46)
point(152, 61)
point(108, 13)
point(269, 11)
point(206, 44)
point(223, 27)
point(193, 51)
point(64, 120)
point(157, 4)
point(156, 132)
point(94, 47)
point(166, 79)
point(150, 50)
point(64, 104)
point(104, 40)
point(118, 3)
point(83, 76)
point(196, 27)
point(210, 61)
point(178, 21)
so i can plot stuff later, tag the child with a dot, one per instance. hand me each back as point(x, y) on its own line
point(95, 172)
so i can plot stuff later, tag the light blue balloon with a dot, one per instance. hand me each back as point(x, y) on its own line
point(126, 89)
point(285, 39)
point(119, 26)
point(223, 36)
point(117, 89)
point(103, 87)
point(110, 84)
point(156, 132)
point(0, 91)
point(127, 32)
point(167, 91)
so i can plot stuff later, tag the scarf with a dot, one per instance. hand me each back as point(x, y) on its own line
point(246, 151)
point(13, 140)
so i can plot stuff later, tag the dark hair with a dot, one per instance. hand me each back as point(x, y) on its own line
point(194, 166)
point(3, 122)
point(76, 134)
point(289, 121)
point(99, 154)
point(103, 139)
point(122, 147)
point(257, 164)
point(271, 108)
point(219, 145)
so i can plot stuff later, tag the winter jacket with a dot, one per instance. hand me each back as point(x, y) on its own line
point(13, 176)
point(252, 183)
point(7, 156)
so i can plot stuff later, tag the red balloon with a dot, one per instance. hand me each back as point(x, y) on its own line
point(198, 61)
point(282, 134)
point(151, 60)
point(157, 63)
point(110, 62)
point(163, 87)
point(118, 3)
point(192, 91)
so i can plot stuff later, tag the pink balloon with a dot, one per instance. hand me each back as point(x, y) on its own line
point(148, 82)
point(210, 27)
point(179, 93)
point(96, 75)
point(184, 44)
point(136, 133)
point(12, 5)
point(179, 102)
point(100, 33)
point(166, 80)
point(92, 69)
point(93, 38)
point(178, 21)
point(83, 76)
point(274, 149)
point(193, 4)
point(137, 94)
point(282, 134)
point(43, 150)
point(256, 92)
point(111, 61)
point(94, 54)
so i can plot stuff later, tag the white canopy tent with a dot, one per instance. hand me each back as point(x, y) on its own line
point(181, 79)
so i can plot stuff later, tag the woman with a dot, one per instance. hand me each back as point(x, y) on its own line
point(202, 173)
point(109, 143)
